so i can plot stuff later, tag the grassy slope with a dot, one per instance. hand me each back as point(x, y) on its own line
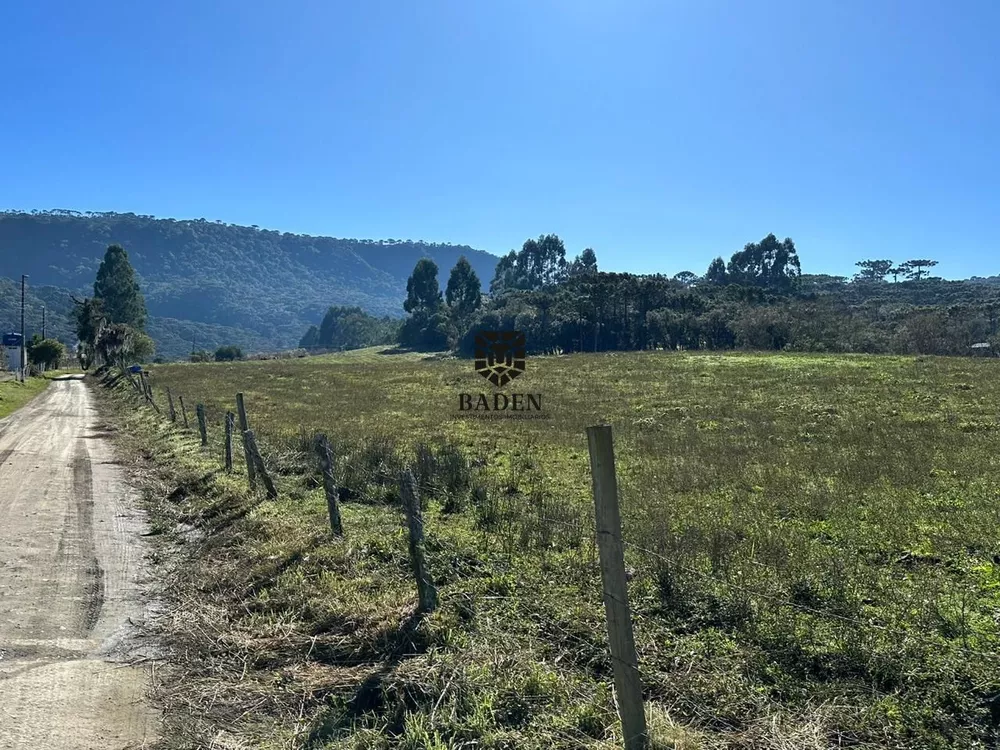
point(813, 538)
point(14, 395)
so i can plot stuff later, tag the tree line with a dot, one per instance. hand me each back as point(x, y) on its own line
point(434, 318)
point(877, 270)
point(759, 299)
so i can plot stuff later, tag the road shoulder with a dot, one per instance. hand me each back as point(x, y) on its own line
point(14, 395)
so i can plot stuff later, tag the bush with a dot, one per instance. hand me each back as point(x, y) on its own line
point(228, 354)
point(143, 347)
point(47, 352)
point(425, 332)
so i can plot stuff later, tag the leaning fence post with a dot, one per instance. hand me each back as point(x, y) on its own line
point(229, 441)
point(170, 405)
point(329, 486)
point(202, 423)
point(628, 685)
point(148, 392)
point(251, 445)
point(184, 412)
point(244, 426)
point(426, 593)
point(146, 389)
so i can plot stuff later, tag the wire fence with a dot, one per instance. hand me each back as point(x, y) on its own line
point(614, 597)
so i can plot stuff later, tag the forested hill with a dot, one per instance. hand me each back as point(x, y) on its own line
point(221, 280)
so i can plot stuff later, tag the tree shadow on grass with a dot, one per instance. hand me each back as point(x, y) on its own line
point(405, 642)
point(273, 572)
point(192, 487)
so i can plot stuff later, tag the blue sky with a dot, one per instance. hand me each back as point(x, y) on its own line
point(659, 132)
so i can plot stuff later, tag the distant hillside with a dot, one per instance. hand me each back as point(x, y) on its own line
point(218, 283)
point(175, 338)
point(57, 306)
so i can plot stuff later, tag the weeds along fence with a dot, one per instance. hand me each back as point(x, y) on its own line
point(346, 473)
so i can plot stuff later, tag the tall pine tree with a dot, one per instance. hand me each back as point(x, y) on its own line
point(118, 290)
point(423, 295)
point(464, 292)
point(428, 326)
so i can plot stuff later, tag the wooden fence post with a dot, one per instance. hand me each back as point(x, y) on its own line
point(628, 685)
point(170, 406)
point(184, 412)
point(426, 593)
point(244, 426)
point(147, 391)
point(251, 445)
point(229, 441)
point(202, 423)
point(329, 486)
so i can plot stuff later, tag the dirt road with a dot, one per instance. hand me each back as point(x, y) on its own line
point(70, 562)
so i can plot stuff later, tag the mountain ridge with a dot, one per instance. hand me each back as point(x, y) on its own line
point(270, 284)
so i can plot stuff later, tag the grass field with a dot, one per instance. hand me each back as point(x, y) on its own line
point(14, 395)
point(814, 543)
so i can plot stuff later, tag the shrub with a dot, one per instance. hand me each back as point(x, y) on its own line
point(228, 354)
point(47, 352)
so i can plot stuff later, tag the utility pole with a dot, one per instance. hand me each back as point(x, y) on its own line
point(43, 321)
point(24, 278)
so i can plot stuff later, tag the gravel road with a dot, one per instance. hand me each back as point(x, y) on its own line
point(71, 557)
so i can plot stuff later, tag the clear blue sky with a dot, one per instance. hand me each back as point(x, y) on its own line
point(660, 132)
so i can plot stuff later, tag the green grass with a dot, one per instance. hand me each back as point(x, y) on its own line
point(814, 540)
point(14, 395)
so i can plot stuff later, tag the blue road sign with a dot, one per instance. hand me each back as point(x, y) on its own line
point(12, 339)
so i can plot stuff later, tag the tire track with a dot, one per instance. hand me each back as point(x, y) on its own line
point(91, 575)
